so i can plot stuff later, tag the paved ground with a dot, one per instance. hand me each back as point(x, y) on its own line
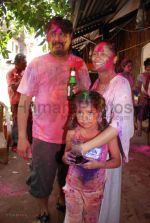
point(16, 205)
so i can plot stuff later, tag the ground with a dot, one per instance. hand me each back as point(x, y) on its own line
point(17, 206)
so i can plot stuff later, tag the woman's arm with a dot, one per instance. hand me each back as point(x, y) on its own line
point(103, 138)
point(121, 123)
point(115, 156)
point(113, 162)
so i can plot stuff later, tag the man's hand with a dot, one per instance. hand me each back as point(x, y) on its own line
point(69, 158)
point(75, 89)
point(23, 148)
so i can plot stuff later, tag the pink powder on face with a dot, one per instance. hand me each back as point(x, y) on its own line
point(56, 35)
point(103, 56)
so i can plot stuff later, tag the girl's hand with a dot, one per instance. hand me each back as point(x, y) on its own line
point(69, 158)
point(77, 148)
point(93, 164)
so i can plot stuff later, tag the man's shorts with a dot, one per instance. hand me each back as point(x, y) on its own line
point(43, 168)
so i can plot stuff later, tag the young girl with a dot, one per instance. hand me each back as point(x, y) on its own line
point(86, 176)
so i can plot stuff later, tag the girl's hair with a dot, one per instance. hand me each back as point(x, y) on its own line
point(90, 98)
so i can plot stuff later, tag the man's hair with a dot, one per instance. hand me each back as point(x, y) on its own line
point(19, 57)
point(147, 62)
point(64, 24)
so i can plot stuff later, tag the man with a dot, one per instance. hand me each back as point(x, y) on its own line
point(46, 79)
point(142, 110)
point(13, 80)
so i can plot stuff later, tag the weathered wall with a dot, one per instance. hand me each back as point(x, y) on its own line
point(129, 42)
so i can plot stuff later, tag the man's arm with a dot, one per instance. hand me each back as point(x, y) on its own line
point(23, 112)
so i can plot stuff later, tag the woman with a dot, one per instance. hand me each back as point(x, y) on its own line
point(119, 113)
point(143, 85)
point(126, 71)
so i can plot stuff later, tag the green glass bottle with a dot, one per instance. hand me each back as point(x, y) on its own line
point(71, 83)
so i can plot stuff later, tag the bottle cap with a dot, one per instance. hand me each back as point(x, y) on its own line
point(73, 73)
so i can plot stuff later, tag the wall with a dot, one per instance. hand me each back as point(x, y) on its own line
point(129, 42)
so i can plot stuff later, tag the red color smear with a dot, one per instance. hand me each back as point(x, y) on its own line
point(144, 149)
point(11, 190)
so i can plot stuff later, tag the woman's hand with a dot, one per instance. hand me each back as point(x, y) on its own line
point(69, 157)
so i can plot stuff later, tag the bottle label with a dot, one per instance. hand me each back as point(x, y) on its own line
point(94, 153)
point(69, 91)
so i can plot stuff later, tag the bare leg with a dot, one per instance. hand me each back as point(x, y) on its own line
point(43, 205)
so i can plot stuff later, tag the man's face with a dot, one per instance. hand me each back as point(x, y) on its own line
point(58, 41)
point(22, 64)
point(102, 57)
point(147, 68)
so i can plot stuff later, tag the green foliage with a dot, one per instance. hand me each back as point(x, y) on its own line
point(31, 14)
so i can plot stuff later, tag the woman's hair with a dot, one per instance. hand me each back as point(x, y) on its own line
point(120, 66)
point(90, 98)
point(125, 61)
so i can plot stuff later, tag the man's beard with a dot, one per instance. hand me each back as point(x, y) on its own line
point(59, 52)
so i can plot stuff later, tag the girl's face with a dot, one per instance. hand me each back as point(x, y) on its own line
point(87, 115)
point(58, 41)
point(102, 57)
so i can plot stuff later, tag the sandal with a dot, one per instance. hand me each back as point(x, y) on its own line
point(45, 218)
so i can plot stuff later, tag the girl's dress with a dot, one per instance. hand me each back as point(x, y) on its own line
point(84, 187)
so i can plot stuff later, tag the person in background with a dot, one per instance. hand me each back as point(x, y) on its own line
point(86, 178)
point(126, 71)
point(14, 77)
point(143, 85)
point(119, 113)
point(46, 80)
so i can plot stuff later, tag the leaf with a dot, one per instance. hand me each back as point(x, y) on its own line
point(31, 15)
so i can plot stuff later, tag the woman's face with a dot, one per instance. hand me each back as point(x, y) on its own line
point(128, 67)
point(102, 57)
